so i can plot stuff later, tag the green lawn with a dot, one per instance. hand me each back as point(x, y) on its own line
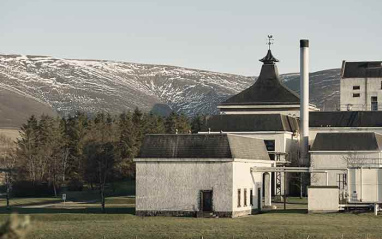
point(267, 225)
point(85, 221)
point(82, 218)
point(28, 201)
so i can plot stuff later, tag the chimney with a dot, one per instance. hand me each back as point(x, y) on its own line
point(304, 99)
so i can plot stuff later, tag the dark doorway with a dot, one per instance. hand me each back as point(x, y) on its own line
point(259, 199)
point(206, 200)
point(374, 103)
point(273, 186)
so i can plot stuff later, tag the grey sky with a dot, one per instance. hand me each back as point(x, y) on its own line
point(223, 36)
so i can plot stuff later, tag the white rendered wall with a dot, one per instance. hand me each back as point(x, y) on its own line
point(294, 112)
point(291, 111)
point(244, 179)
point(323, 199)
point(368, 87)
point(175, 186)
point(285, 142)
point(322, 160)
point(366, 183)
point(280, 139)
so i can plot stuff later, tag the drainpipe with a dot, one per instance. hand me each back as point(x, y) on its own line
point(361, 193)
point(349, 193)
point(327, 178)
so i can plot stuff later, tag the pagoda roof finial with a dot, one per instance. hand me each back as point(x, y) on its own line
point(269, 58)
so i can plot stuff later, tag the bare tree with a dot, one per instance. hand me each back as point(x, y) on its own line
point(299, 180)
point(7, 162)
point(100, 161)
point(355, 160)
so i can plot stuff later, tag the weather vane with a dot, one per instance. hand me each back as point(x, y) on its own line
point(270, 41)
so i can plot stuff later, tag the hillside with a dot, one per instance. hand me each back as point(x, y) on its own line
point(68, 85)
point(16, 107)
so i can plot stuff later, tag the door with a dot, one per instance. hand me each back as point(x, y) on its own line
point(206, 196)
point(259, 199)
point(342, 185)
point(374, 103)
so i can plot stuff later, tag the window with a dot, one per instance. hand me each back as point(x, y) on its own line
point(270, 145)
point(342, 186)
point(374, 103)
point(356, 87)
point(251, 197)
point(341, 181)
point(356, 95)
point(245, 197)
point(238, 198)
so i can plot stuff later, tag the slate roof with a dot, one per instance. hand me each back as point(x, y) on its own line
point(203, 146)
point(345, 119)
point(267, 90)
point(365, 69)
point(250, 122)
point(367, 141)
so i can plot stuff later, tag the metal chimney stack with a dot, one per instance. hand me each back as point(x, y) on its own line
point(304, 99)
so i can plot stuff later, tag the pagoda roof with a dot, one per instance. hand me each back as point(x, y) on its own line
point(267, 90)
point(269, 58)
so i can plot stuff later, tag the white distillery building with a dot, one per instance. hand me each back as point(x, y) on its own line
point(267, 110)
point(247, 150)
point(361, 86)
point(278, 131)
point(191, 175)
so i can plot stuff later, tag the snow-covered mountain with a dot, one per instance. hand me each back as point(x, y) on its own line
point(69, 85)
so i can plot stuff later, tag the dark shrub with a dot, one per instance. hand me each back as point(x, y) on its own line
point(75, 185)
point(30, 189)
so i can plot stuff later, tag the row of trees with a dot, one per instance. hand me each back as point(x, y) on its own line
point(81, 149)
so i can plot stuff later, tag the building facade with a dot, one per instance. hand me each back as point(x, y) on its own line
point(278, 131)
point(337, 153)
point(195, 175)
point(344, 121)
point(361, 86)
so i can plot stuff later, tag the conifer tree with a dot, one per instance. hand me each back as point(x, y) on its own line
point(197, 123)
point(171, 123)
point(27, 150)
point(77, 130)
point(183, 124)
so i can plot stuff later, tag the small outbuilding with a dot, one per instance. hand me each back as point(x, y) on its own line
point(194, 174)
point(339, 152)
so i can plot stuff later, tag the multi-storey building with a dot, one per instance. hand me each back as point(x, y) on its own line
point(361, 86)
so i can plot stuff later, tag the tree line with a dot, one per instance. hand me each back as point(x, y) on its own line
point(53, 152)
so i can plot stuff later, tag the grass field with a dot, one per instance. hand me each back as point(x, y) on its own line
point(84, 220)
point(267, 225)
point(12, 133)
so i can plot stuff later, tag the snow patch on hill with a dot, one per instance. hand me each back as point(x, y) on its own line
point(70, 85)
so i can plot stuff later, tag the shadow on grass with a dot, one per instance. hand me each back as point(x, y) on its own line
point(112, 210)
point(282, 211)
point(37, 203)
